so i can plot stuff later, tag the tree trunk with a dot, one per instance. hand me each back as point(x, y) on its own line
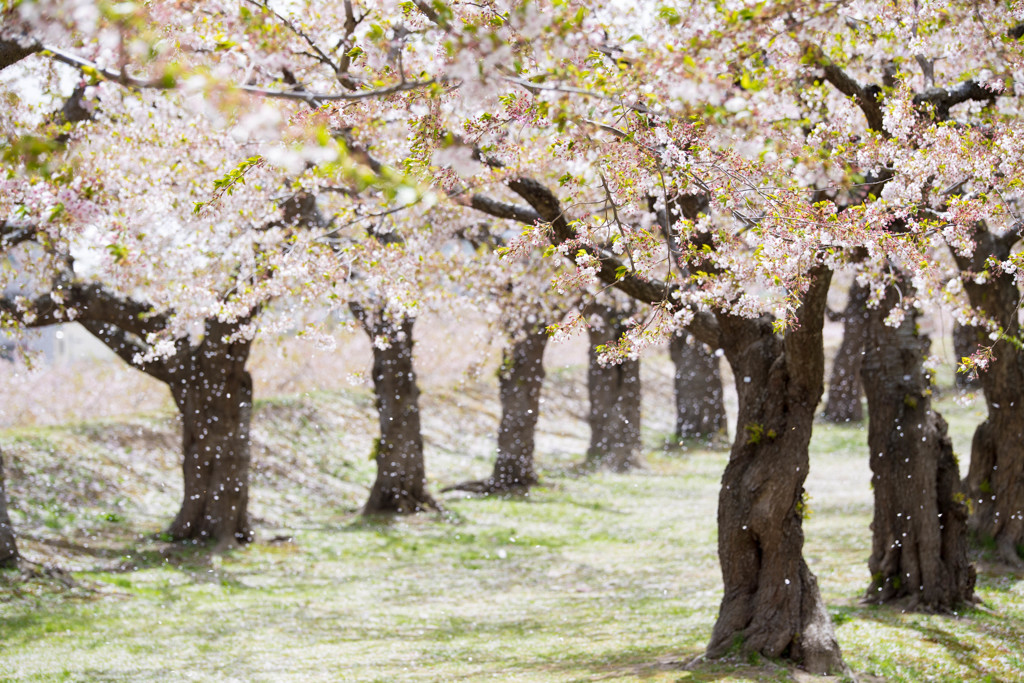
point(965, 343)
point(700, 408)
point(919, 543)
point(844, 385)
point(995, 481)
point(614, 399)
point(213, 391)
point(520, 379)
point(772, 604)
point(8, 546)
point(400, 487)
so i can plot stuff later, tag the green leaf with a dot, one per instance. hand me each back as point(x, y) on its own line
point(118, 251)
point(669, 15)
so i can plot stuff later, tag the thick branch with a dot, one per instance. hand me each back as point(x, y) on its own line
point(90, 302)
point(803, 344)
point(346, 44)
point(127, 347)
point(95, 302)
point(14, 233)
point(15, 49)
point(498, 209)
point(360, 314)
point(865, 97)
point(430, 13)
point(944, 99)
point(703, 326)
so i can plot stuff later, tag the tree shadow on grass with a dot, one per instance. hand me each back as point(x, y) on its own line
point(653, 663)
point(921, 627)
point(79, 563)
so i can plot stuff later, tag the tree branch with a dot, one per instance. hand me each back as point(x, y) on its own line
point(498, 209)
point(944, 99)
point(430, 13)
point(127, 347)
point(319, 55)
point(865, 97)
point(89, 302)
point(16, 48)
point(703, 326)
point(14, 233)
point(161, 83)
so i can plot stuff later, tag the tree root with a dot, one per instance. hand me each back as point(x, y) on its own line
point(402, 504)
point(490, 487)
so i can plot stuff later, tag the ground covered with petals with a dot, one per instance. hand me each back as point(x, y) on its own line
point(598, 577)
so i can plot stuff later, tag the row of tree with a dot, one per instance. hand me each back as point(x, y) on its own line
point(713, 163)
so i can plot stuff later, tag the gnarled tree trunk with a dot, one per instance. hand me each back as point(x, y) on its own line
point(700, 405)
point(995, 480)
point(844, 385)
point(772, 604)
point(213, 391)
point(919, 541)
point(401, 484)
point(8, 546)
point(614, 399)
point(520, 379)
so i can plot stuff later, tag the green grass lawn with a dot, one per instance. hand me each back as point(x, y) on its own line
point(604, 577)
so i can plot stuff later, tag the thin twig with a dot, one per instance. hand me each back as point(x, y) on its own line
point(319, 56)
point(91, 68)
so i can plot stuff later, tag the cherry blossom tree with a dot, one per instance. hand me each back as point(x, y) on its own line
point(714, 162)
point(808, 159)
point(140, 316)
point(919, 548)
point(613, 388)
point(522, 307)
point(939, 120)
point(179, 198)
point(997, 457)
point(700, 397)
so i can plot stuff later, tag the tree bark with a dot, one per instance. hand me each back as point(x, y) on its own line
point(772, 604)
point(213, 391)
point(8, 545)
point(211, 388)
point(15, 48)
point(965, 343)
point(401, 484)
point(995, 481)
point(844, 386)
point(700, 405)
point(520, 379)
point(919, 542)
point(614, 399)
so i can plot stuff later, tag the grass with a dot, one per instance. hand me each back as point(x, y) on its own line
point(605, 577)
